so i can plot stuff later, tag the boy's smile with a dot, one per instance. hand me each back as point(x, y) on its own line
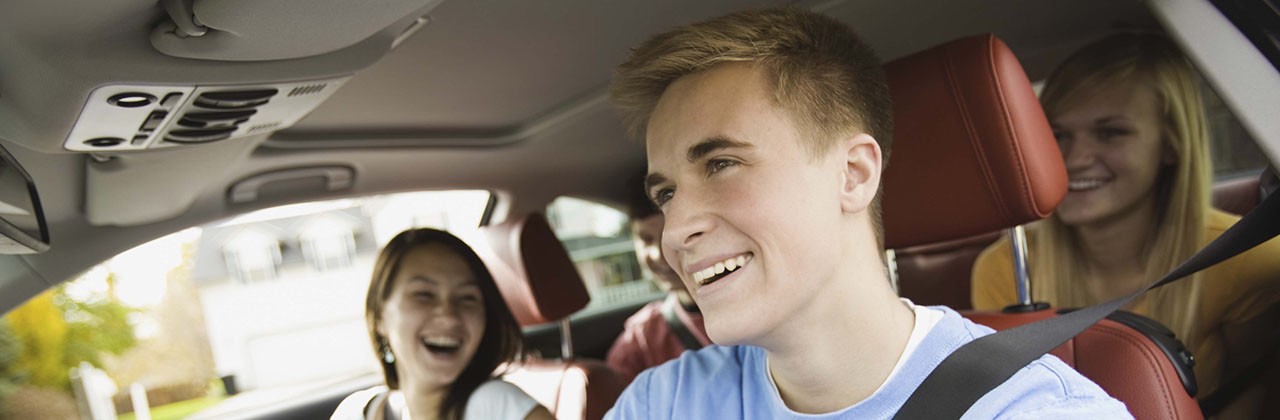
point(719, 270)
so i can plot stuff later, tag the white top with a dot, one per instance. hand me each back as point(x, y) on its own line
point(493, 400)
point(498, 399)
point(925, 319)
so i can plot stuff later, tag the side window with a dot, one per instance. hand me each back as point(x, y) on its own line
point(598, 238)
point(1234, 151)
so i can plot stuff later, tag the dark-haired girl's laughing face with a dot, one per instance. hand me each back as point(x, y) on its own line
point(434, 317)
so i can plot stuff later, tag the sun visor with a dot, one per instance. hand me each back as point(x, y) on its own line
point(256, 30)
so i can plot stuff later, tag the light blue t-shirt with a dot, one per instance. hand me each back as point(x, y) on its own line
point(733, 382)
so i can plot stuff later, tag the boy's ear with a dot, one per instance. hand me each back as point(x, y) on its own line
point(861, 172)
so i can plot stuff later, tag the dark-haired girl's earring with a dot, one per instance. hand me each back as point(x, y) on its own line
point(387, 356)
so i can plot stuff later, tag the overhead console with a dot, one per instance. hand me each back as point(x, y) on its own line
point(138, 117)
point(212, 95)
point(170, 116)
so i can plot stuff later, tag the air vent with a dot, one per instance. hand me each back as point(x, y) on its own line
point(231, 109)
point(216, 119)
point(236, 99)
point(306, 90)
point(199, 135)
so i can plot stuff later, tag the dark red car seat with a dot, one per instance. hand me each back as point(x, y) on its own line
point(541, 285)
point(938, 273)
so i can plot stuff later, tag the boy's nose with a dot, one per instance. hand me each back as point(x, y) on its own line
point(685, 223)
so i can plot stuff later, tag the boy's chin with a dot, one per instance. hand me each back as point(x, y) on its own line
point(729, 329)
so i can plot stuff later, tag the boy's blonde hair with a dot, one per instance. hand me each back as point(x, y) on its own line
point(818, 71)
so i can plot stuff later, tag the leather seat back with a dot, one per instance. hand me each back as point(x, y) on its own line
point(541, 285)
point(938, 273)
point(1238, 195)
point(1124, 359)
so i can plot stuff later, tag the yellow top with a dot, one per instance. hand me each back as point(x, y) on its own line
point(1234, 291)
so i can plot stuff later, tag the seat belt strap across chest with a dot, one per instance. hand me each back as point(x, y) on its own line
point(677, 326)
point(983, 364)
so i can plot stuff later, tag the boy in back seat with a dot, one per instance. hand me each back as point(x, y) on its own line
point(663, 329)
point(766, 134)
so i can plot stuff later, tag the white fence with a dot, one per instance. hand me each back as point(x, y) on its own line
point(93, 390)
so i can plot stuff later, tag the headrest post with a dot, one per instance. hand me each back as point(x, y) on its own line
point(1022, 278)
point(566, 340)
point(891, 266)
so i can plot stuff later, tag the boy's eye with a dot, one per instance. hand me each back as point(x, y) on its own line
point(717, 165)
point(663, 195)
point(424, 295)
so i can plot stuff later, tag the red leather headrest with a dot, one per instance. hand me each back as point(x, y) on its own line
point(533, 271)
point(972, 149)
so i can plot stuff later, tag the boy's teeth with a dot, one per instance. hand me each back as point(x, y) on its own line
point(721, 267)
point(704, 274)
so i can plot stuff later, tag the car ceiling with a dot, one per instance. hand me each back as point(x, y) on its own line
point(500, 95)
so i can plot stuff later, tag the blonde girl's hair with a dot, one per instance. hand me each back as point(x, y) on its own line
point(1182, 188)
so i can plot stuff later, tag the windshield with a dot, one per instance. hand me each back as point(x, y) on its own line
point(243, 312)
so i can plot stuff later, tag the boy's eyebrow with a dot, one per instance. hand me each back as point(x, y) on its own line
point(652, 180)
point(712, 144)
point(698, 151)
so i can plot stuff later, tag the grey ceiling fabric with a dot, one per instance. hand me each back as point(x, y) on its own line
point(255, 30)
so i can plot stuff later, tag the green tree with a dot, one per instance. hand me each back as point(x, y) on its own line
point(57, 332)
point(39, 326)
point(10, 350)
point(95, 327)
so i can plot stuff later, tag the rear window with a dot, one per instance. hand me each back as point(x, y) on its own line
point(1234, 151)
point(268, 305)
point(598, 238)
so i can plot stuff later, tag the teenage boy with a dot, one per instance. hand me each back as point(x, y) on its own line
point(766, 134)
point(664, 328)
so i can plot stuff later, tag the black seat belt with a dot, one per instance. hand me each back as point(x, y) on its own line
point(677, 326)
point(980, 366)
